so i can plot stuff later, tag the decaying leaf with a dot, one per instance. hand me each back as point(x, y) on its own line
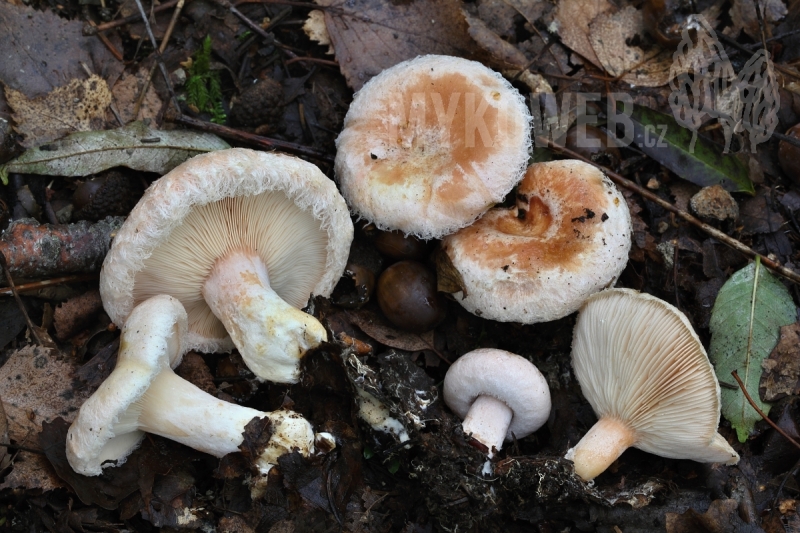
point(78, 106)
point(135, 146)
point(126, 92)
point(376, 328)
point(659, 136)
point(49, 50)
point(781, 376)
point(36, 386)
point(721, 516)
point(573, 18)
point(745, 325)
point(610, 33)
point(743, 16)
point(370, 36)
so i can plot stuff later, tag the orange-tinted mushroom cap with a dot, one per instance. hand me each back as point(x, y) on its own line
point(567, 237)
point(432, 143)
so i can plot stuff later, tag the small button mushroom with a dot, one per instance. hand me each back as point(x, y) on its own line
point(143, 394)
point(243, 239)
point(407, 295)
point(645, 373)
point(430, 144)
point(567, 237)
point(499, 396)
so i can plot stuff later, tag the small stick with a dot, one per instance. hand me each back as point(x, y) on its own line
point(714, 232)
point(21, 305)
point(164, 41)
point(91, 30)
point(263, 142)
point(159, 58)
point(36, 285)
point(760, 412)
point(312, 60)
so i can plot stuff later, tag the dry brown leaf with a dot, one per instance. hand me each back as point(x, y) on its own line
point(41, 51)
point(77, 106)
point(36, 385)
point(743, 16)
point(32, 471)
point(373, 325)
point(126, 91)
point(531, 10)
point(781, 375)
point(315, 29)
point(370, 36)
point(609, 34)
point(573, 18)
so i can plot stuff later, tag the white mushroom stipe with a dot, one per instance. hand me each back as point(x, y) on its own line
point(143, 394)
point(487, 421)
point(647, 377)
point(272, 335)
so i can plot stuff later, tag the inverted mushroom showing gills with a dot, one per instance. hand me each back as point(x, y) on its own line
point(646, 375)
point(567, 237)
point(499, 396)
point(143, 394)
point(430, 144)
point(242, 239)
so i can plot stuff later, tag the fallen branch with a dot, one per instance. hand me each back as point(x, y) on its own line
point(33, 250)
point(714, 232)
point(760, 412)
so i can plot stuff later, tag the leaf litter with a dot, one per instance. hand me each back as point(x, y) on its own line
point(368, 483)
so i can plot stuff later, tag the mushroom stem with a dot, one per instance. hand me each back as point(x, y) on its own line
point(178, 410)
point(600, 447)
point(271, 335)
point(488, 420)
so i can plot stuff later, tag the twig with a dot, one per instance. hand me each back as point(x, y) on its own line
point(760, 412)
point(91, 30)
point(312, 60)
point(159, 58)
point(21, 305)
point(714, 232)
point(164, 41)
point(36, 285)
point(21, 448)
point(257, 140)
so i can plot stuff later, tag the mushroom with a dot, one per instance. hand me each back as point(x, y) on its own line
point(646, 375)
point(242, 239)
point(567, 237)
point(143, 394)
point(430, 144)
point(499, 396)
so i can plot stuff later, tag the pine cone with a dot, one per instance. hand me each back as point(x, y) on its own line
point(260, 104)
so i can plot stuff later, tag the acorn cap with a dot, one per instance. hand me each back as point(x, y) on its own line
point(278, 207)
point(430, 144)
point(645, 372)
point(567, 237)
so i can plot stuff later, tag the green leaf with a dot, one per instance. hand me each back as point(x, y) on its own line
point(135, 146)
point(659, 136)
point(750, 309)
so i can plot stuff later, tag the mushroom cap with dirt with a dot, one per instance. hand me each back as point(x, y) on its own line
point(243, 239)
point(567, 237)
point(430, 144)
point(143, 394)
point(645, 373)
point(498, 394)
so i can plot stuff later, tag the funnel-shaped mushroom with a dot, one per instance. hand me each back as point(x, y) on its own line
point(567, 237)
point(242, 239)
point(432, 143)
point(647, 377)
point(143, 394)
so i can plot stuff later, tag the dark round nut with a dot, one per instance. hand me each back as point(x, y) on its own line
point(407, 296)
point(789, 155)
point(395, 245)
point(259, 104)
